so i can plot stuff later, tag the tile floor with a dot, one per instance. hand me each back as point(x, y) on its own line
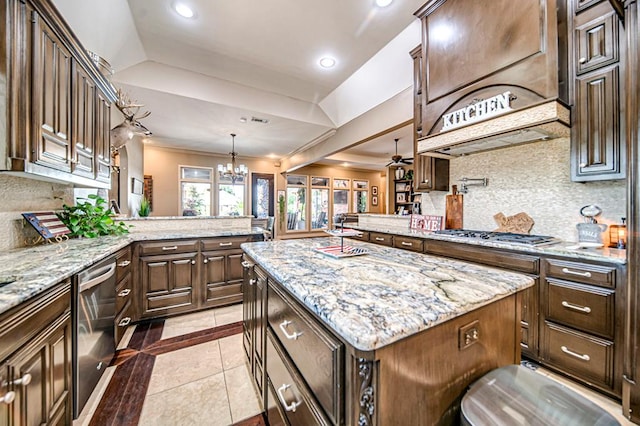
point(204, 380)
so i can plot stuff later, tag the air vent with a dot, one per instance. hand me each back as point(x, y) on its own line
point(259, 120)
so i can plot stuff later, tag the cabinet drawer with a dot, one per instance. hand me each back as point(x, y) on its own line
point(294, 400)
point(362, 237)
point(407, 243)
point(317, 355)
point(513, 261)
point(220, 294)
point(382, 239)
point(224, 243)
point(122, 321)
point(604, 276)
point(586, 308)
point(123, 263)
point(585, 356)
point(168, 247)
point(124, 292)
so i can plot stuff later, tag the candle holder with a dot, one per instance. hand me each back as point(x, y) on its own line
point(618, 235)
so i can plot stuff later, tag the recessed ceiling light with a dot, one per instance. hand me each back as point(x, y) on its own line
point(327, 62)
point(243, 119)
point(383, 3)
point(183, 10)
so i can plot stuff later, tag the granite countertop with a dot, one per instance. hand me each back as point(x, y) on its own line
point(381, 297)
point(30, 271)
point(562, 248)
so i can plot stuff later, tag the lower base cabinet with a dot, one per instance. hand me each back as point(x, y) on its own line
point(35, 361)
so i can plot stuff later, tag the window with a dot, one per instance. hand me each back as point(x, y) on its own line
point(296, 202)
point(231, 196)
point(195, 190)
point(340, 196)
point(360, 196)
point(319, 203)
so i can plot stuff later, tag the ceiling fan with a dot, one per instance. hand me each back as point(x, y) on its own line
point(397, 159)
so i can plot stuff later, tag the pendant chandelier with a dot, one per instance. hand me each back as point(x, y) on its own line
point(231, 171)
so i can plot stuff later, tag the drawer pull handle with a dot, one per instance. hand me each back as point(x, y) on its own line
point(295, 404)
point(124, 292)
point(580, 274)
point(584, 357)
point(226, 244)
point(246, 264)
point(404, 243)
point(584, 309)
point(253, 281)
point(124, 263)
point(379, 239)
point(8, 398)
point(168, 248)
point(23, 381)
point(283, 327)
point(124, 322)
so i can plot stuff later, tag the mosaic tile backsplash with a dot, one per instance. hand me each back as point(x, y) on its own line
point(532, 178)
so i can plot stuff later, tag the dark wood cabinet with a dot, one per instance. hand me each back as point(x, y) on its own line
point(35, 360)
point(178, 276)
point(51, 97)
point(57, 102)
point(598, 150)
point(429, 173)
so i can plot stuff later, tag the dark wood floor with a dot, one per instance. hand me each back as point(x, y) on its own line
point(121, 404)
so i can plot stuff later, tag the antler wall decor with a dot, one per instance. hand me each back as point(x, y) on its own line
point(124, 132)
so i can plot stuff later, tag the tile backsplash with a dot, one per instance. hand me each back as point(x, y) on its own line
point(532, 178)
point(20, 195)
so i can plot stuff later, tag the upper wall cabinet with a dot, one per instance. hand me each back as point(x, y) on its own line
point(55, 101)
point(598, 149)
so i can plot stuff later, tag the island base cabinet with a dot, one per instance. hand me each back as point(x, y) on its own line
point(443, 361)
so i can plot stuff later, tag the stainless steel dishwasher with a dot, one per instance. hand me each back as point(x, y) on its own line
point(93, 326)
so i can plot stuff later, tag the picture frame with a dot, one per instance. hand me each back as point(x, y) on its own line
point(281, 193)
point(374, 200)
point(136, 186)
point(374, 190)
point(401, 197)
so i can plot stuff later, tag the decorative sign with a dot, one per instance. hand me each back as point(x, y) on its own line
point(426, 223)
point(47, 224)
point(477, 111)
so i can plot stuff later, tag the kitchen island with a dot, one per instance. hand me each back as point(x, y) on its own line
point(389, 337)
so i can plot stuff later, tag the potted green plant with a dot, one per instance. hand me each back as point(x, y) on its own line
point(90, 218)
point(281, 210)
point(145, 207)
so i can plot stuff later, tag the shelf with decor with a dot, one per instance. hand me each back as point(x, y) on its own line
point(405, 200)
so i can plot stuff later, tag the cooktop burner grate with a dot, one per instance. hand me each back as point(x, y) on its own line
point(507, 237)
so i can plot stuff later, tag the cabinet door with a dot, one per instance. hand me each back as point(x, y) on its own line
point(248, 315)
point(6, 396)
point(51, 98)
point(529, 321)
point(597, 151)
point(596, 39)
point(41, 377)
point(430, 173)
point(222, 277)
point(103, 147)
point(82, 137)
point(259, 330)
point(168, 283)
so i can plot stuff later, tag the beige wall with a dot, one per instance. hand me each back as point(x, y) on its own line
point(163, 165)
point(20, 195)
point(532, 178)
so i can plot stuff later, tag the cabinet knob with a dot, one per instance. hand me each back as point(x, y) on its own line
point(253, 281)
point(582, 60)
point(193, 262)
point(8, 398)
point(583, 164)
point(23, 381)
point(205, 261)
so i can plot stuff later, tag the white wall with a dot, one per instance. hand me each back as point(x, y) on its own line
point(532, 178)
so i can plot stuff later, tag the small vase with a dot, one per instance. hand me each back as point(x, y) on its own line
point(399, 173)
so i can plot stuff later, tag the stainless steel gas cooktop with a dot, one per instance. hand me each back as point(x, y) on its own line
point(505, 237)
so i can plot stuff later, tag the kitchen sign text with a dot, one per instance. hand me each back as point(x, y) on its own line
point(478, 111)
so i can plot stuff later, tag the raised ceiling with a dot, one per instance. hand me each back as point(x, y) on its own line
point(246, 58)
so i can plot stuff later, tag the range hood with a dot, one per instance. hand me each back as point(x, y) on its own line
point(544, 121)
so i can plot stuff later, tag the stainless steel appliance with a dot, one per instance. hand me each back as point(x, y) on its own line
point(93, 324)
point(506, 237)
